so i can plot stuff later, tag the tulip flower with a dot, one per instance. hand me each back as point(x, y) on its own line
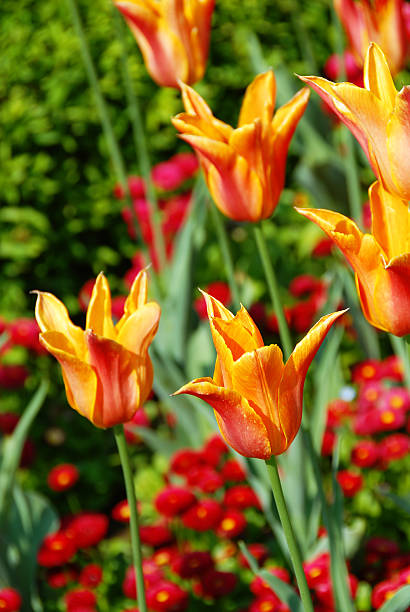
point(257, 398)
point(381, 260)
point(173, 36)
point(244, 167)
point(378, 116)
point(379, 21)
point(106, 369)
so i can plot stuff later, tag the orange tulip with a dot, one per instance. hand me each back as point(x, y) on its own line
point(257, 398)
point(244, 167)
point(173, 36)
point(378, 116)
point(379, 21)
point(381, 260)
point(106, 369)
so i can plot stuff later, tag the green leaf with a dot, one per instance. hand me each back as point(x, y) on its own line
point(285, 592)
point(399, 602)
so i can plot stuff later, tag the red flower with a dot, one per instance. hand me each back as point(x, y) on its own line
point(217, 584)
point(167, 596)
point(367, 371)
point(170, 174)
point(183, 460)
point(207, 479)
point(241, 497)
point(233, 470)
point(165, 556)
point(62, 477)
point(324, 593)
point(206, 514)
point(383, 591)
point(396, 398)
point(334, 68)
point(8, 422)
point(87, 529)
point(12, 376)
point(155, 535)
point(232, 524)
point(58, 579)
point(266, 603)
point(365, 453)
point(317, 570)
point(218, 290)
point(79, 598)
point(323, 247)
point(56, 549)
point(172, 501)
point(328, 442)
point(152, 575)
point(90, 576)
point(383, 547)
point(24, 332)
point(393, 368)
point(121, 512)
point(261, 588)
point(10, 600)
point(192, 564)
point(338, 411)
point(394, 447)
point(350, 482)
point(84, 295)
point(213, 450)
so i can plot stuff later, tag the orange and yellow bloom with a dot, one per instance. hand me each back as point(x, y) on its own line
point(106, 369)
point(257, 398)
point(381, 260)
point(244, 167)
point(379, 21)
point(378, 116)
point(173, 36)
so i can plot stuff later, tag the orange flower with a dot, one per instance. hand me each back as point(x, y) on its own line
point(244, 167)
point(378, 116)
point(256, 397)
point(107, 371)
point(381, 260)
point(379, 21)
point(173, 36)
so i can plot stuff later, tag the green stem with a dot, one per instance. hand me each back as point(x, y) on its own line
point(273, 290)
point(113, 147)
point(338, 568)
point(350, 162)
point(403, 352)
point(132, 503)
point(226, 253)
point(295, 556)
point(140, 143)
point(13, 446)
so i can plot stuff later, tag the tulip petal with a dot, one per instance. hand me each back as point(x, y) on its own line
point(259, 99)
point(286, 119)
point(139, 329)
point(198, 126)
point(398, 143)
point(236, 188)
point(256, 376)
point(390, 221)
point(377, 77)
point(52, 315)
point(137, 297)
point(290, 396)
point(215, 308)
point(238, 337)
point(79, 378)
point(164, 54)
point(194, 104)
point(118, 396)
point(241, 427)
point(99, 309)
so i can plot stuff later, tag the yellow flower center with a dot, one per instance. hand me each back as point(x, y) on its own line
point(228, 524)
point(162, 596)
point(368, 371)
point(387, 417)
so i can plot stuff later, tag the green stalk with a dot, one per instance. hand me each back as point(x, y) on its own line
point(140, 143)
point(273, 290)
point(113, 147)
point(350, 161)
point(295, 555)
point(132, 503)
point(13, 446)
point(338, 569)
point(403, 352)
point(226, 253)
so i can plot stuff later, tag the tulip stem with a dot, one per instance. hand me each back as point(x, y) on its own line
point(226, 254)
point(140, 143)
point(132, 504)
point(402, 351)
point(294, 551)
point(273, 290)
point(113, 147)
